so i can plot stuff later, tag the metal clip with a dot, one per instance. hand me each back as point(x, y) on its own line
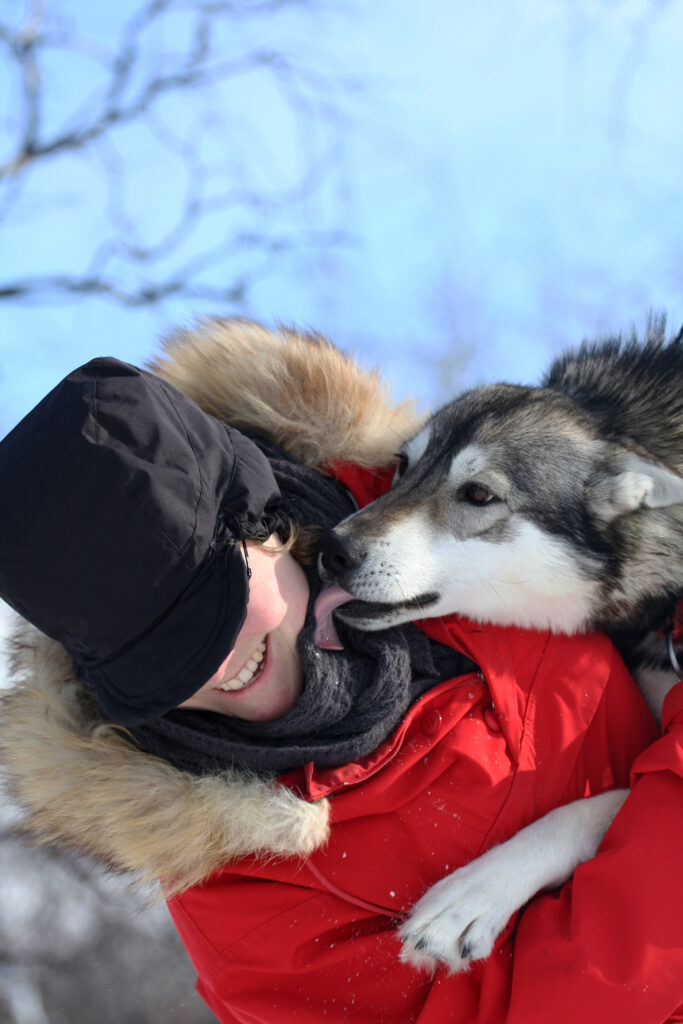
point(671, 651)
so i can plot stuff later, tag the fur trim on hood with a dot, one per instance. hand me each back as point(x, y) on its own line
point(309, 397)
point(78, 779)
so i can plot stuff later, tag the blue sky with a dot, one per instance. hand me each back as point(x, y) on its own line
point(507, 182)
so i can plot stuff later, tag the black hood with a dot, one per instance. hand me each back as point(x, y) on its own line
point(121, 506)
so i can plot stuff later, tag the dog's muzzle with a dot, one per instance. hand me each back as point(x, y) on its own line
point(340, 557)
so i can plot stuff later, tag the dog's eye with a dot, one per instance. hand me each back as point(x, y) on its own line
point(477, 494)
point(402, 465)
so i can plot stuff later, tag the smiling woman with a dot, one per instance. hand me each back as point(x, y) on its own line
point(262, 676)
point(435, 743)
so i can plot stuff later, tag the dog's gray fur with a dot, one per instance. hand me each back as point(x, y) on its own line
point(585, 526)
point(555, 507)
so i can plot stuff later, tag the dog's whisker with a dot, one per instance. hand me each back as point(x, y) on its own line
point(512, 583)
point(499, 596)
point(399, 580)
point(417, 606)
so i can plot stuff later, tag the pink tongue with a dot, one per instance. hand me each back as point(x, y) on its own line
point(326, 635)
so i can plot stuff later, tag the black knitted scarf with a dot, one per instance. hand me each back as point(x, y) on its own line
point(351, 699)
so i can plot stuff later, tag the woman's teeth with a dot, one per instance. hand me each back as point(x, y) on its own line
point(250, 671)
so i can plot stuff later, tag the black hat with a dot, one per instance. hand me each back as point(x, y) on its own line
point(120, 506)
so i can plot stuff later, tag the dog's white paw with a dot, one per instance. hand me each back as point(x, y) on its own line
point(458, 920)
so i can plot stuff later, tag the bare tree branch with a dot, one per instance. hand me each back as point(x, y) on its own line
point(205, 225)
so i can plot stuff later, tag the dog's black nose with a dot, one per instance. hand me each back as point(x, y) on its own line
point(338, 556)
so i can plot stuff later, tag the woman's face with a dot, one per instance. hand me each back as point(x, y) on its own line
point(262, 676)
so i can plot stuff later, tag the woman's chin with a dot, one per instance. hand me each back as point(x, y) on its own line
point(268, 703)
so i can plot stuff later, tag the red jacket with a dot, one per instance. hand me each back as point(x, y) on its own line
point(549, 719)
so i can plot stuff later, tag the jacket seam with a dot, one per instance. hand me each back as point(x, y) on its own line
point(527, 722)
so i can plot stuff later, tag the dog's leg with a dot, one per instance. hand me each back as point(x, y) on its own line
point(654, 683)
point(459, 919)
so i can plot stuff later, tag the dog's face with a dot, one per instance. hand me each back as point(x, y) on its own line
point(503, 508)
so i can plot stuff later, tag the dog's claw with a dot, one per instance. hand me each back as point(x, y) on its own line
point(458, 920)
point(466, 946)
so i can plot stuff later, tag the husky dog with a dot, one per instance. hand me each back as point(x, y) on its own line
point(555, 507)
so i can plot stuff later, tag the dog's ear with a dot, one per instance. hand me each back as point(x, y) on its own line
point(629, 482)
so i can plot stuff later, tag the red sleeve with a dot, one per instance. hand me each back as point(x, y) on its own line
point(609, 945)
point(667, 753)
